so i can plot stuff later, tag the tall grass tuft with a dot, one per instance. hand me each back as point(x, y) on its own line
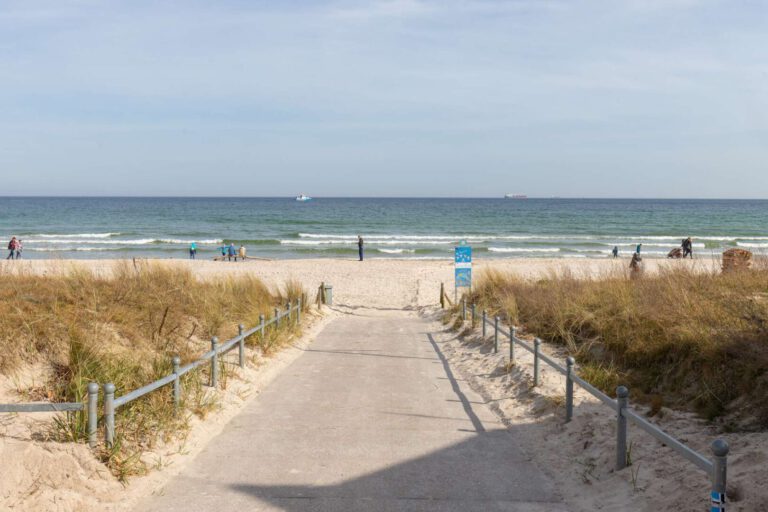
point(125, 329)
point(694, 339)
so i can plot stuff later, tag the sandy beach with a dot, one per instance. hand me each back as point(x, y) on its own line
point(371, 283)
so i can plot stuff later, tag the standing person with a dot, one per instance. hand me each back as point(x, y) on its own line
point(232, 253)
point(360, 246)
point(223, 250)
point(688, 248)
point(192, 250)
point(241, 252)
point(20, 246)
point(12, 248)
point(615, 251)
point(637, 249)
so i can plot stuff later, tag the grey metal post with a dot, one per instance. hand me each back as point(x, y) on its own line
point(485, 315)
point(569, 389)
point(536, 349)
point(109, 414)
point(215, 362)
point(298, 311)
point(240, 330)
point(496, 335)
point(442, 296)
point(512, 336)
point(261, 325)
point(474, 314)
point(93, 413)
point(288, 310)
point(719, 473)
point(277, 318)
point(463, 310)
point(176, 361)
point(622, 398)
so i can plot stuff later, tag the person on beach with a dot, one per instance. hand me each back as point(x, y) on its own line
point(231, 252)
point(223, 250)
point(360, 246)
point(688, 248)
point(12, 248)
point(192, 250)
point(19, 247)
point(241, 253)
point(637, 249)
point(615, 251)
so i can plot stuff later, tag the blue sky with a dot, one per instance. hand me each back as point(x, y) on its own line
point(386, 98)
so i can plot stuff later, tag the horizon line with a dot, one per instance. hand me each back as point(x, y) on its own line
point(647, 198)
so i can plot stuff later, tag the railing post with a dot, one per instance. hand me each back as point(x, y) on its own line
point(512, 336)
point(474, 315)
point(93, 413)
point(719, 474)
point(261, 326)
point(496, 335)
point(485, 315)
point(241, 343)
point(536, 350)
point(277, 318)
point(442, 296)
point(288, 312)
point(215, 362)
point(622, 398)
point(176, 361)
point(463, 310)
point(569, 389)
point(298, 311)
point(109, 414)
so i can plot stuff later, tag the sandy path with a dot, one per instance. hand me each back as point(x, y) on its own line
point(369, 417)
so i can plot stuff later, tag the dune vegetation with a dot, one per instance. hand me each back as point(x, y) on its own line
point(125, 328)
point(689, 339)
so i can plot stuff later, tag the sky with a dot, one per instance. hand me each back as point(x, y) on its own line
point(457, 98)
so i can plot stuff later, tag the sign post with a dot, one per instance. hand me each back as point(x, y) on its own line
point(463, 269)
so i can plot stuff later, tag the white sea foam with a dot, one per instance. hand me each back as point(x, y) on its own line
point(396, 251)
point(78, 235)
point(116, 242)
point(521, 249)
point(753, 245)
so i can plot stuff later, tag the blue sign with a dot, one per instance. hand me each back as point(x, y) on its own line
point(463, 254)
point(463, 277)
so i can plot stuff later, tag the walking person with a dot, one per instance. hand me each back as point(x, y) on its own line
point(241, 253)
point(19, 248)
point(688, 248)
point(615, 251)
point(192, 250)
point(231, 252)
point(223, 250)
point(12, 248)
point(637, 249)
point(360, 246)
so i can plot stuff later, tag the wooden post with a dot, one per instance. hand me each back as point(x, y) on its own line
point(442, 296)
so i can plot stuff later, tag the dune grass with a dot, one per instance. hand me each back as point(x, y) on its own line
point(124, 329)
point(692, 339)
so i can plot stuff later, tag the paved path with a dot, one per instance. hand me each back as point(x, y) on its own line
point(370, 418)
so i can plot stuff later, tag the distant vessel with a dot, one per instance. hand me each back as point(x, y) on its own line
point(302, 197)
point(515, 196)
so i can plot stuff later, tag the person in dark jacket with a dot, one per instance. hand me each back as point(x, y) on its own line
point(231, 252)
point(615, 251)
point(12, 248)
point(360, 246)
point(688, 248)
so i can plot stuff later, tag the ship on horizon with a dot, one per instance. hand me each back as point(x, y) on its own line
point(515, 196)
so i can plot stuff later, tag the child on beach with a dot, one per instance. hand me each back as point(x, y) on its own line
point(192, 250)
point(223, 250)
point(20, 246)
point(241, 252)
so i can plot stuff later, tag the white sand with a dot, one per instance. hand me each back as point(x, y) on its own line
point(579, 456)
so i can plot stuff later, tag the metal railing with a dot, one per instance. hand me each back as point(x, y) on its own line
point(112, 403)
point(716, 467)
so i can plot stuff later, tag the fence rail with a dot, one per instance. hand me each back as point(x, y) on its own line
point(716, 468)
point(112, 403)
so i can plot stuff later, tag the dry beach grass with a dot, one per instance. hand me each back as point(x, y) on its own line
point(124, 328)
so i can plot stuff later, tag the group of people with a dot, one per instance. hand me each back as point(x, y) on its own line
point(14, 247)
point(228, 252)
point(684, 251)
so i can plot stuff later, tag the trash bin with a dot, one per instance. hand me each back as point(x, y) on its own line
point(328, 294)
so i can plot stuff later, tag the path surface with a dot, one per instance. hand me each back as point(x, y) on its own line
point(370, 418)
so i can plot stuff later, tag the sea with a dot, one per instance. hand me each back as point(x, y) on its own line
point(413, 228)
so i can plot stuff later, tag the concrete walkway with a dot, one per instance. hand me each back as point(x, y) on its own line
point(370, 418)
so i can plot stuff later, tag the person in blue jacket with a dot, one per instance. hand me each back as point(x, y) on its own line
point(231, 252)
point(192, 250)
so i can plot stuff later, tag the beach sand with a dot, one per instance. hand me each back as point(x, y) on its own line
point(372, 283)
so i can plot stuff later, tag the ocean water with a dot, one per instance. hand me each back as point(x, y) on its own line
point(392, 228)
